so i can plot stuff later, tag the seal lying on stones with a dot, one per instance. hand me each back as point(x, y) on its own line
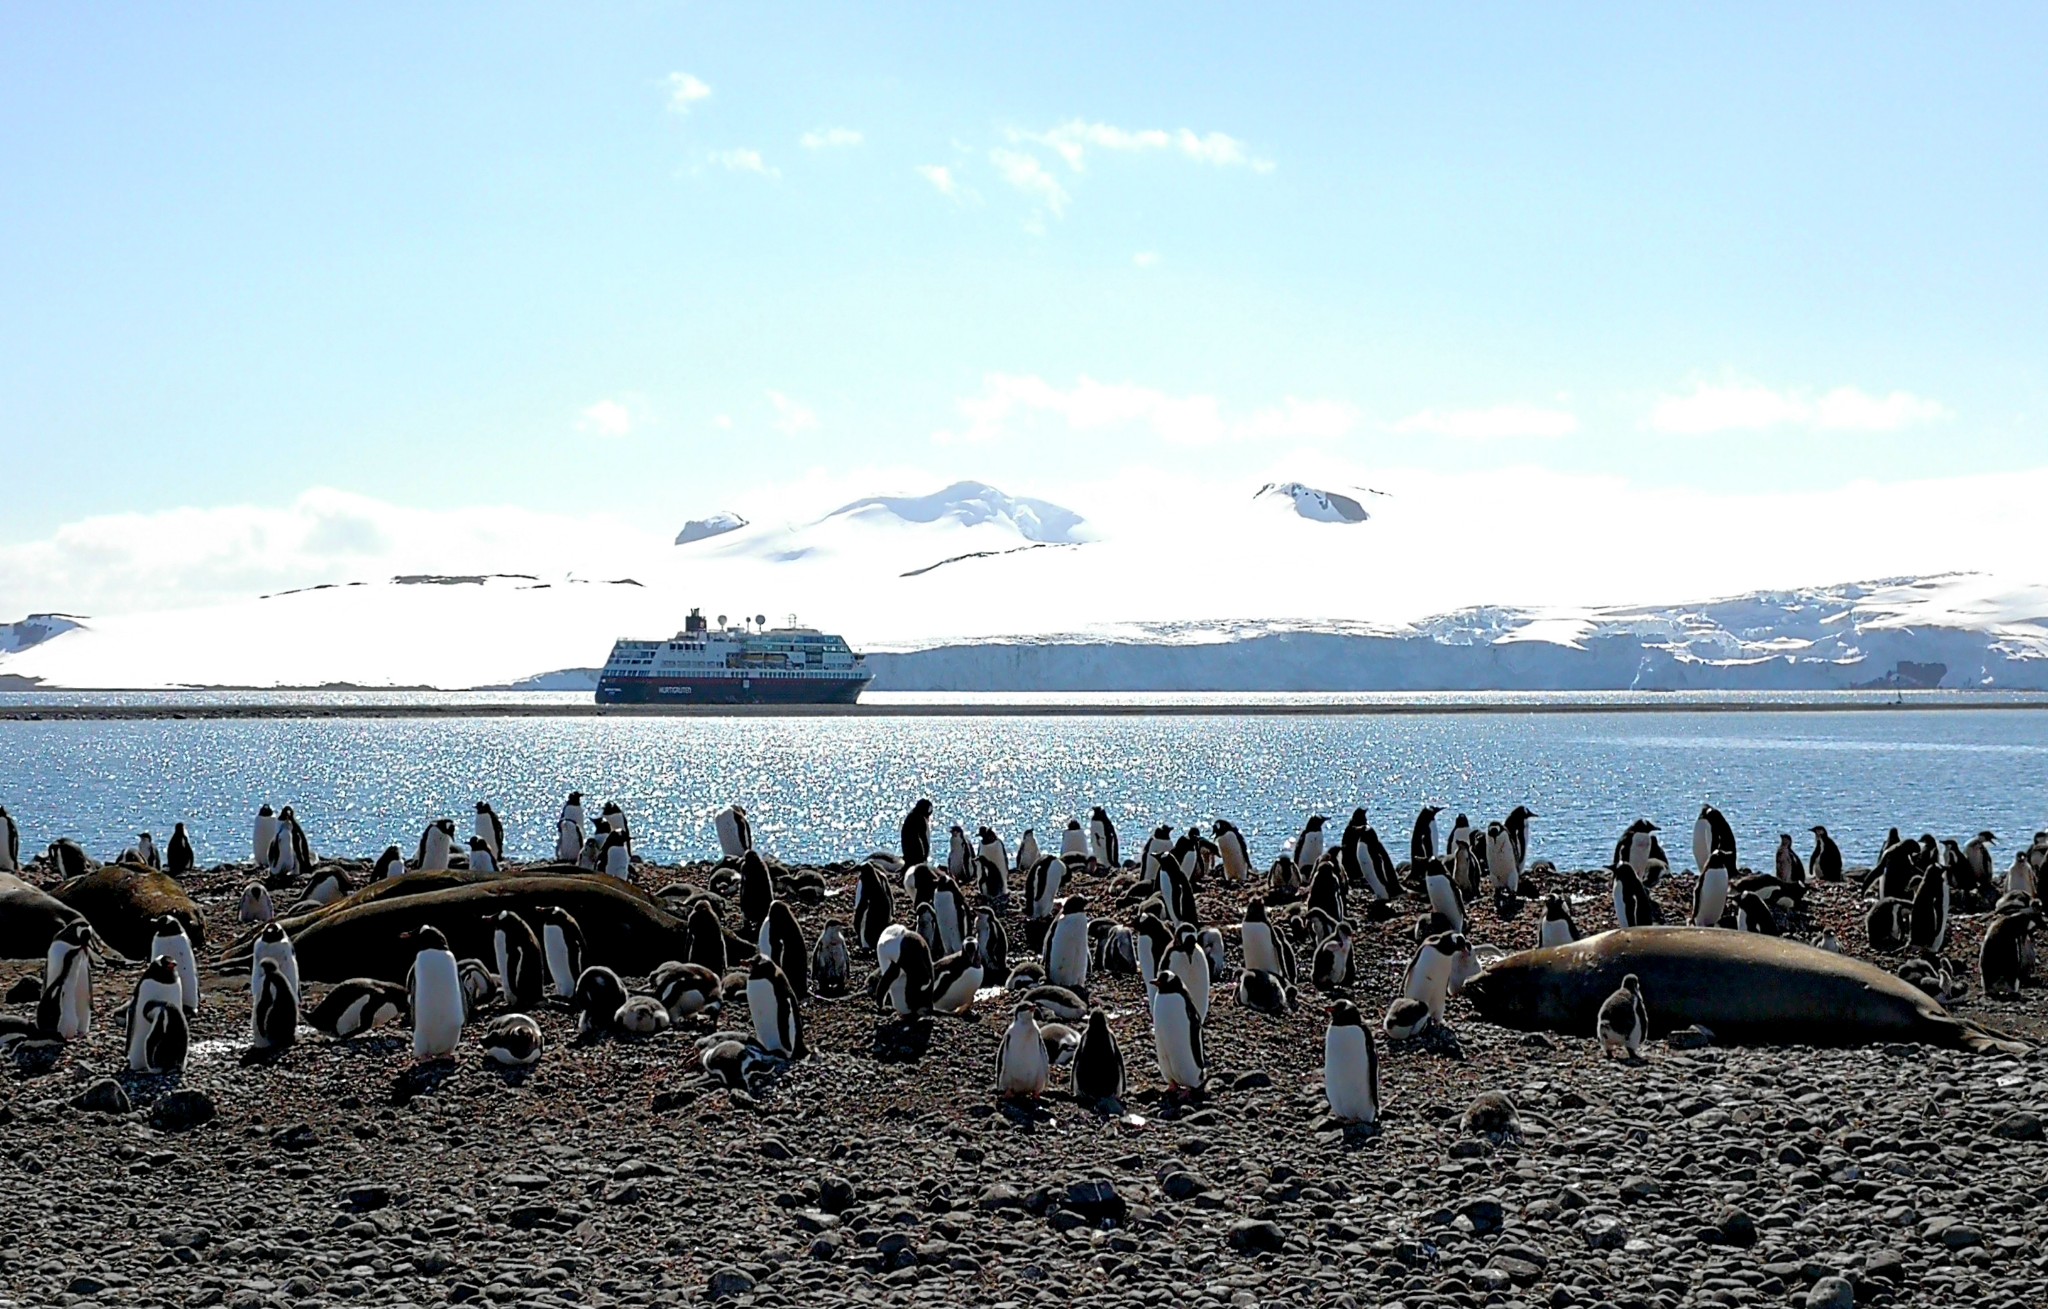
point(123, 902)
point(624, 927)
point(29, 918)
point(1744, 987)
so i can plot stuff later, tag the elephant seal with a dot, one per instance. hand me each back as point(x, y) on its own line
point(1745, 987)
point(623, 927)
point(29, 918)
point(123, 902)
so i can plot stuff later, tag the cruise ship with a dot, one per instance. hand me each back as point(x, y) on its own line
point(734, 666)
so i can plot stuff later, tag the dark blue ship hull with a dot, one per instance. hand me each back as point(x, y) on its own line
point(729, 690)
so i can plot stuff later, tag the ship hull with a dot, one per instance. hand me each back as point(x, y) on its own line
point(729, 691)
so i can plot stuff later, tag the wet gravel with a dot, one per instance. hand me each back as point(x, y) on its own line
point(883, 1170)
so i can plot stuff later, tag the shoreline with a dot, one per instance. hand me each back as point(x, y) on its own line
point(1244, 709)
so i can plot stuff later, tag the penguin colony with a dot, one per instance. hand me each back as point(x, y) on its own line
point(932, 939)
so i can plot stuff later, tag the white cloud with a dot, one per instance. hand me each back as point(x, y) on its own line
point(606, 418)
point(792, 416)
point(1092, 406)
point(1073, 139)
point(1751, 407)
point(684, 91)
point(830, 138)
point(743, 160)
point(1031, 177)
point(942, 180)
point(1146, 258)
point(1497, 421)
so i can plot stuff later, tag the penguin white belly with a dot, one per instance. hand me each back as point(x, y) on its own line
point(1259, 952)
point(1713, 898)
point(146, 994)
point(1193, 971)
point(1702, 843)
point(617, 863)
point(1639, 853)
point(1022, 1067)
point(1444, 899)
point(767, 1014)
point(436, 1005)
point(1620, 904)
point(1148, 965)
point(1349, 1078)
point(1173, 1039)
point(947, 906)
point(1066, 961)
point(559, 969)
point(959, 993)
point(1555, 932)
point(179, 948)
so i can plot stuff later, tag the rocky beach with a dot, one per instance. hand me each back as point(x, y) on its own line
point(1508, 1168)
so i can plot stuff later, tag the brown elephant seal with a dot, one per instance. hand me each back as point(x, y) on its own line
point(123, 902)
point(29, 917)
point(624, 928)
point(1747, 988)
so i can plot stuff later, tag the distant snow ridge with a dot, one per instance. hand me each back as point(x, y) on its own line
point(34, 630)
point(971, 504)
point(1316, 505)
point(718, 524)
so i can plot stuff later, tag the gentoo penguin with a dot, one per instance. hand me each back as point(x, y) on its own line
point(1351, 1066)
point(1066, 946)
point(170, 939)
point(435, 1002)
point(255, 905)
point(1711, 832)
point(437, 843)
point(641, 1015)
point(1258, 940)
point(1558, 927)
point(1264, 992)
point(1333, 968)
point(1326, 890)
point(561, 944)
point(735, 833)
point(1156, 848)
point(1027, 850)
point(1828, 941)
point(598, 998)
point(757, 890)
point(572, 811)
point(1422, 842)
point(1378, 866)
point(1231, 849)
point(1022, 1067)
point(1042, 886)
point(1895, 870)
point(145, 852)
point(777, 1026)
point(1503, 869)
point(956, 978)
point(831, 962)
point(357, 1005)
point(1790, 867)
point(1098, 1061)
point(1444, 898)
point(1889, 925)
point(1176, 889)
point(179, 853)
point(275, 1013)
point(481, 860)
point(568, 841)
point(490, 830)
point(874, 906)
point(992, 858)
point(994, 942)
point(1102, 842)
point(615, 856)
point(512, 1041)
point(67, 858)
point(903, 971)
point(1073, 843)
point(1283, 879)
point(782, 940)
point(522, 972)
point(1930, 911)
point(1633, 906)
point(389, 864)
point(479, 986)
point(1752, 914)
point(958, 855)
point(684, 989)
point(158, 985)
point(950, 907)
point(64, 1010)
point(10, 843)
point(2002, 960)
point(1211, 940)
point(273, 943)
point(613, 822)
point(266, 835)
point(1444, 962)
point(1056, 1003)
point(1308, 847)
point(166, 1037)
point(1826, 860)
point(1517, 823)
point(2020, 879)
point(1977, 858)
point(1461, 835)
point(328, 885)
point(1177, 1034)
point(1464, 867)
point(1638, 848)
point(1710, 895)
point(1623, 1021)
point(1117, 952)
point(301, 849)
point(917, 834)
point(706, 937)
point(1154, 940)
point(925, 922)
point(1187, 959)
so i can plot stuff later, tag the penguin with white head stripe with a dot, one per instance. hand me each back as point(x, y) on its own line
point(1351, 1066)
point(64, 1010)
point(436, 1003)
point(771, 1001)
point(1177, 1035)
point(170, 939)
point(159, 985)
point(490, 830)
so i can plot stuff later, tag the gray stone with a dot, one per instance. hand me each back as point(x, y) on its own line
point(103, 1097)
point(728, 1283)
point(1257, 1236)
point(1831, 1293)
point(181, 1110)
point(2018, 1126)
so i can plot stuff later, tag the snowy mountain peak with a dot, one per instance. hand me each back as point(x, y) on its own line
point(1311, 503)
point(971, 504)
point(34, 630)
point(718, 524)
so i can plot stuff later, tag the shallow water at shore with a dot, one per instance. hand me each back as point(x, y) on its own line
point(832, 788)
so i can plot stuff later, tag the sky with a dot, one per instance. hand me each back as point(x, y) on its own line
point(313, 293)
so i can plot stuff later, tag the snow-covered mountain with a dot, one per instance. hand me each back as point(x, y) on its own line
point(1315, 505)
point(718, 524)
point(972, 588)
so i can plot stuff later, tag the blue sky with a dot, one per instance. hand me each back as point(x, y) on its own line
point(644, 260)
